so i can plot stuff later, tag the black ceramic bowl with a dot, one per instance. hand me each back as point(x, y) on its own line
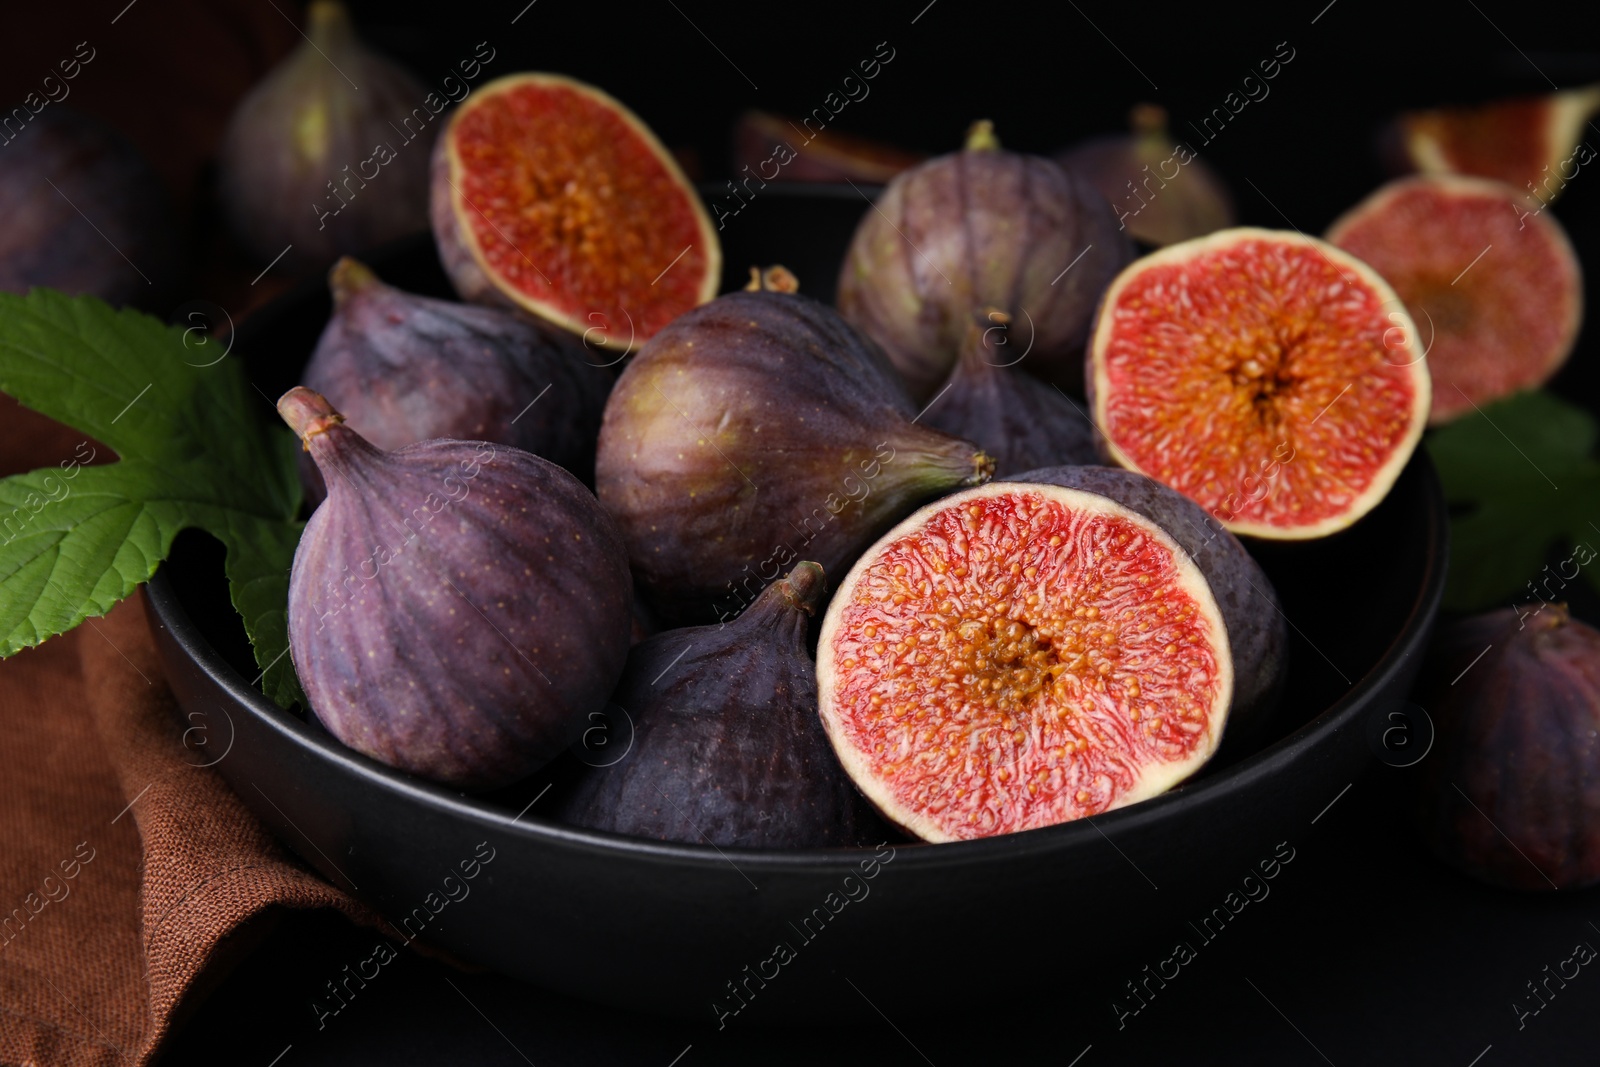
point(1067, 913)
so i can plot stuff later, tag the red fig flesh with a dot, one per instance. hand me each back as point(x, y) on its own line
point(1258, 636)
point(552, 197)
point(456, 609)
point(1492, 283)
point(762, 141)
point(1270, 377)
point(1533, 144)
point(1015, 656)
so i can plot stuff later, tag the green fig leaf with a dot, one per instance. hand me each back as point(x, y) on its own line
point(1521, 478)
point(196, 448)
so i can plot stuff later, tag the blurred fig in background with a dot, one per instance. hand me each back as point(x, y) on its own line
point(1511, 793)
point(84, 213)
point(1535, 144)
point(329, 154)
point(975, 229)
point(771, 147)
point(1161, 191)
point(1495, 288)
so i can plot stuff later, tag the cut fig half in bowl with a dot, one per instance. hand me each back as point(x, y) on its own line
point(672, 929)
point(1272, 378)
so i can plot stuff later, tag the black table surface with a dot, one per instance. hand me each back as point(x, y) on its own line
point(1366, 950)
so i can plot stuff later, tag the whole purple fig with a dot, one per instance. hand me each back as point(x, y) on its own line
point(976, 229)
point(726, 746)
point(404, 368)
point(1160, 190)
point(1511, 789)
point(1258, 637)
point(1018, 420)
point(752, 432)
point(456, 608)
point(84, 212)
point(330, 152)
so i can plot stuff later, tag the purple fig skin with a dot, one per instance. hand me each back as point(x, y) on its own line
point(1018, 420)
point(310, 162)
point(752, 432)
point(1160, 193)
point(727, 748)
point(975, 229)
point(1257, 634)
point(456, 608)
point(404, 368)
point(46, 242)
point(1511, 789)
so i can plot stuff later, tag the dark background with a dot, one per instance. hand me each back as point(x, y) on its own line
point(1368, 950)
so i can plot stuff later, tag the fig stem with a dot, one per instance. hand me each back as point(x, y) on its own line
point(308, 413)
point(348, 277)
point(981, 137)
point(1148, 120)
point(775, 279)
point(802, 589)
point(327, 24)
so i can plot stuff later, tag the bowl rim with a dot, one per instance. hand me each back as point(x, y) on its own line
point(1409, 640)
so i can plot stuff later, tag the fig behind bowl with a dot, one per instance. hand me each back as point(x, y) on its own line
point(329, 152)
point(84, 213)
point(1511, 793)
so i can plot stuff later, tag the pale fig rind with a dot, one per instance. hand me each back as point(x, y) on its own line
point(456, 609)
point(310, 166)
point(1258, 634)
point(1510, 792)
point(725, 747)
point(1351, 319)
point(1019, 421)
point(978, 228)
point(1005, 742)
point(403, 368)
point(752, 432)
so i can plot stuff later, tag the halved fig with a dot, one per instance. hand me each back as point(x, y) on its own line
point(1019, 655)
point(1523, 142)
point(1268, 376)
point(552, 197)
point(762, 139)
point(1494, 287)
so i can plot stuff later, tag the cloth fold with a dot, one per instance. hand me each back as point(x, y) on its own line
point(127, 866)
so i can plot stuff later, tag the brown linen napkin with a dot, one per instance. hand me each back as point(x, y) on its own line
point(124, 866)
